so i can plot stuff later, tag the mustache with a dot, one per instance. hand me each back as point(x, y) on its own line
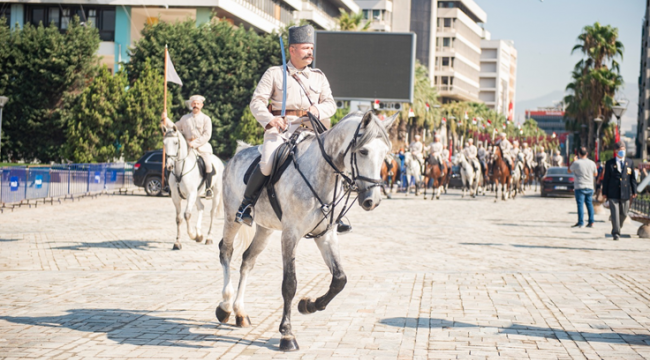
point(308, 57)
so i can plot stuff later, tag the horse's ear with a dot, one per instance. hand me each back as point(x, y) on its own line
point(175, 128)
point(367, 118)
point(390, 121)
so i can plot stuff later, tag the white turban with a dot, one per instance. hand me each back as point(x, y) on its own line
point(197, 98)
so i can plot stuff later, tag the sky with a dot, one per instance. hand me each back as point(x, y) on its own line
point(545, 32)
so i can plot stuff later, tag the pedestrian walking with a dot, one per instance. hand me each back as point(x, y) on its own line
point(619, 186)
point(584, 170)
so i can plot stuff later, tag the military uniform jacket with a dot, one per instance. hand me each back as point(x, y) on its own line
point(269, 89)
point(619, 183)
point(506, 147)
point(416, 147)
point(435, 148)
point(470, 152)
point(197, 130)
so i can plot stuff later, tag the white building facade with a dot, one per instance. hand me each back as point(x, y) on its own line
point(498, 75)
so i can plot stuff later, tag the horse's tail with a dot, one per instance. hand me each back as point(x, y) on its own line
point(244, 237)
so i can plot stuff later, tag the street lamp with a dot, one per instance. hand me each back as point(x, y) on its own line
point(3, 101)
point(619, 110)
point(598, 121)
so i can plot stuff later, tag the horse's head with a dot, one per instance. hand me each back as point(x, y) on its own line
point(172, 144)
point(365, 154)
point(456, 159)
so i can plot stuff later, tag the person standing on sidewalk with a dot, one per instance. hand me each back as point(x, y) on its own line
point(619, 186)
point(584, 170)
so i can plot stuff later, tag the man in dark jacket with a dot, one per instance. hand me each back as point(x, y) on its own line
point(619, 186)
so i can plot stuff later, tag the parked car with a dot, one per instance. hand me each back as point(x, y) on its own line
point(147, 173)
point(557, 181)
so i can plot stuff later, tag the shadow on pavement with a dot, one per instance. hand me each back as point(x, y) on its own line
point(547, 247)
point(138, 328)
point(533, 331)
point(8, 240)
point(113, 244)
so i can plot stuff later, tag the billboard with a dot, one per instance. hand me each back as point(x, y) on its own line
point(367, 65)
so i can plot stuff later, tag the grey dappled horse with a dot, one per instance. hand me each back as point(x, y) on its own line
point(185, 182)
point(358, 136)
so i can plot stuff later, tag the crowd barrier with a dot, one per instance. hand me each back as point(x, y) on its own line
point(19, 183)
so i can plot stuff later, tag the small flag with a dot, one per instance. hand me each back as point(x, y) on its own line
point(553, 135)
point(426, 106)
point(504, 126)
point(521, 131)
point(473, 121)
point(411, 113)
point(510, 112)
point(172, 75)
point(376, 104)
point(489, 122)
point(466, 117)
point(444, 121)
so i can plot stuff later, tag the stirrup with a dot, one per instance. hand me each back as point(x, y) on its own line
point(244, 216)
point(209, 194)
point(343, 228)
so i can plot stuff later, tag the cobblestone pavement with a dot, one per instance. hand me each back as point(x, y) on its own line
point(454, 278)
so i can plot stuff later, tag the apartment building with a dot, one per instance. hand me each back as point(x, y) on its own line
point(120, 22)
point(498, 75)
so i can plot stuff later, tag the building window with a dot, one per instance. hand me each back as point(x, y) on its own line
point(366, 14)
point(102, 18)
point(376, 15)
point(447, 22)
point(446, 42)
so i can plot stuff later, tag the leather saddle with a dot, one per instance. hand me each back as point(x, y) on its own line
point(282, 158)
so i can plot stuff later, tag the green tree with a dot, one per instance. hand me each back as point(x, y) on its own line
point(41, 71)
point(93, 122)
point(216, 60)
point(140, 118)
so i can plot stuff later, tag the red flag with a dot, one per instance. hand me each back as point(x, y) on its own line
point(473, 121)
point(444, 121)
point(510, 112)
point(427, 106)
point(411, 113)
point(489, 122)
point(376, 104)
point(617, 135)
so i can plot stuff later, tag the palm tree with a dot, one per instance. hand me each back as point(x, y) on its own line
point(595, 80)
point(352, 21)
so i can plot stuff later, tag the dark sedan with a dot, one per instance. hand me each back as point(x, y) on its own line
point(557, 181)
point(147, 173)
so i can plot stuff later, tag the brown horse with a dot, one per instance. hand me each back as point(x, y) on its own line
point(500, 175)
point(432, 171)
point(389, 172)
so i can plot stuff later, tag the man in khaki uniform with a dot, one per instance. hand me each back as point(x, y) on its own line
point(416, 148)
point(471, 152)
point(436, 150)
point(307, 90)
point(197, 130)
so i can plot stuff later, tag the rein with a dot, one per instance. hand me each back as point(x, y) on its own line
point(176, 159)
point(349, 182)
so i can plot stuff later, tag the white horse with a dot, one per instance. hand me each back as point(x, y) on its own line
point(413, 172)
point(469, 177)
point(185, 182)
point(347, 157)
point(517, 178)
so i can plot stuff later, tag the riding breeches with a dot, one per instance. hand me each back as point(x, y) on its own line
point(205, 152)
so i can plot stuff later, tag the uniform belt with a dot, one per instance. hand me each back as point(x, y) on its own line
point(298, 113)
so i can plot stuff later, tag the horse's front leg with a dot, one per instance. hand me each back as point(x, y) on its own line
point(289, 286)
point(199, 219)
point(329, 249)
point(179, 220)
point(258, 244)
point(191, 200)
point(226, 247)
point(216, 201)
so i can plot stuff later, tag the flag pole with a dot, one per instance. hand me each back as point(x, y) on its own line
point(162, 183)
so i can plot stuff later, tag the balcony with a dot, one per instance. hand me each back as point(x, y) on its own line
point(318, 17)
point(252, 13)
point(457, 93)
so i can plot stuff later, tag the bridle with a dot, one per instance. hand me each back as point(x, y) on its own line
point(175, 158)
point(349, 182)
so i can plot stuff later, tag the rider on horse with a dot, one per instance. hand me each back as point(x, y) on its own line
point(557, 160)
point(471, 152)
point(528, 156)
point(307, 91)
point(506, 151)
point(482, 156)
point(197, 130)
point(541, 157)
point(435, 150)
point(416, 149)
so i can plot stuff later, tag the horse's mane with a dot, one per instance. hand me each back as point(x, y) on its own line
point(373, 130)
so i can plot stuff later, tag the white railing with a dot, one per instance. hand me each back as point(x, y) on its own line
point(260, 12)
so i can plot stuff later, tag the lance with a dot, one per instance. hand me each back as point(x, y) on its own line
point(284, 82)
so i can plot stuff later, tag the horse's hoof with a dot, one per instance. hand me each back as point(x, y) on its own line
point(177, 246)
point(222, 315)
point(243, 321)
point(208, 242)
point(289, 344)
point(199, 238)
point(306, 306)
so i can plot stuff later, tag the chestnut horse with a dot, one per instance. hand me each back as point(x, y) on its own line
point(388, 175)
point(432, 171)
point(500, 175)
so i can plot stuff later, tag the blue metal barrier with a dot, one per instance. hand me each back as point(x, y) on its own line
point(23, 183)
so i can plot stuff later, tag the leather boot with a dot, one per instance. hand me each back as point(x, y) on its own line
point(252, 192)
point(343, 228)
point(208, 184)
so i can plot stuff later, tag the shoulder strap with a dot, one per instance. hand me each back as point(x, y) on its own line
point(303, 88)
